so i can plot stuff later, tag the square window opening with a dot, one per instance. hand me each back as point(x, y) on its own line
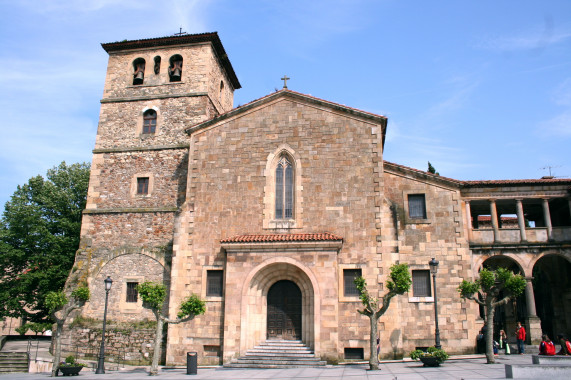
point(214, 283)
point(349, 276)
point(354, 353)
point(416, 206)
point(132, 294)
point(421, 283)
point(143, 185)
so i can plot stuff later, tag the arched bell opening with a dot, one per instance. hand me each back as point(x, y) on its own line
point(175, 68)
point(138, 71)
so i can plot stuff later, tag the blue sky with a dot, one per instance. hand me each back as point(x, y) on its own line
point(482, 89)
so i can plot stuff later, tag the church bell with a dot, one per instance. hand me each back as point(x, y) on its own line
point(175, 74)
point(138, 78)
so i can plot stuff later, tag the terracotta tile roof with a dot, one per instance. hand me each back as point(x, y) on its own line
point(179, 40)
point(500, 182)
point(504, 182)
point(326, 236)
point(293, 94)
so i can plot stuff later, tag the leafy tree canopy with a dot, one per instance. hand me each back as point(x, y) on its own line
point(39, 235)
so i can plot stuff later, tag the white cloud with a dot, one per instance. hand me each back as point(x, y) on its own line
point(558, 126)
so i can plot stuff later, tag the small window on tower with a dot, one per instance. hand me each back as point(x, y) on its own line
point(132, 294)
point(149, 122)
point(139, 71)
point(143, 185)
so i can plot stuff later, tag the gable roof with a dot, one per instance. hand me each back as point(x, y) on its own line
point(184, 39)
point(285, 93)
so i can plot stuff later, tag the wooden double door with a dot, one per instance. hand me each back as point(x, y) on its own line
point(284, 311)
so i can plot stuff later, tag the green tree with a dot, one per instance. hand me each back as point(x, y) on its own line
point(399, 283)
point(490, 285)
point(39, 235)
point(59, 308)
point(153, 296)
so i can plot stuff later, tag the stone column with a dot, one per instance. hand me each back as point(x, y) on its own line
point(532, 321)
point(547, 217)
point(494, 217)
point(469, 219)
point(521, 220)
point(569, 200)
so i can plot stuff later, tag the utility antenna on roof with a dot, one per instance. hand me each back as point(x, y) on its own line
point(549, 167)
point(180, 33)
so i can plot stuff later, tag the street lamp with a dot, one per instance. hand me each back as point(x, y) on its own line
point(101, 364)
point(434, 269)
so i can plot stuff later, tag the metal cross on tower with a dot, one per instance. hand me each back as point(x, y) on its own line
point(180, 33)
point(285, 79)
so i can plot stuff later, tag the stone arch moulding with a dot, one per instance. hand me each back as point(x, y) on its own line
point(254, 302)
point(563, 255)
point(160, 258)
point(516, 258)
point(269, 221)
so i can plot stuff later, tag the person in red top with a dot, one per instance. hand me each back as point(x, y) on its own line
point(546, 347)
point(520, 335)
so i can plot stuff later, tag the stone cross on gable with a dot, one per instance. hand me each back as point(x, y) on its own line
point(285, 79)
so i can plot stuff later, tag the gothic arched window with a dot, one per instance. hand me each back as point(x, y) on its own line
point(149, 121)
point(284, 189)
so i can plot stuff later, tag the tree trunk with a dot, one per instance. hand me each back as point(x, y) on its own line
point(373, 358)
point(157, 350)
point(57, 351)
point(490, 333)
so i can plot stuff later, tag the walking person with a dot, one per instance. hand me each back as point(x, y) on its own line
point(520, 336)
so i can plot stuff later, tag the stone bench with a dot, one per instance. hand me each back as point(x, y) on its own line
point(557, 359)
point(538, 371)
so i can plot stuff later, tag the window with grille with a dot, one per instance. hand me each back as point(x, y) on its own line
point(143, 185)
point(214, 283)
point(416, 206)
point(284, 189)
point(149, 122)
point(421, 283)
point(132, 294)
point(349, 276)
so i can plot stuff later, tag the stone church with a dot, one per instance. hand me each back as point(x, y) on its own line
point(268, 211)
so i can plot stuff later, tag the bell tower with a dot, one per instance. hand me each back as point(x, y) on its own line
point(154, 89)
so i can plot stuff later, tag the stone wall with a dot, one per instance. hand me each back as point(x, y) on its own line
point(122, 344)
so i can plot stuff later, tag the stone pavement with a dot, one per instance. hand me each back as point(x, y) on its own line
point(466, 368)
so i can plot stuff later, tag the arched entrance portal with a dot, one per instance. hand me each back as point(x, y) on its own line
point(507, 316)
point(284, 311)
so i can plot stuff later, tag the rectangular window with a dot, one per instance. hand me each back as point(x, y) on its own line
point(214, 283)
point(421, 283)
point(210, 350)
point(143, 185)
point(349, 276)
point(132, 294)
point(355, 353)
point(416, 206)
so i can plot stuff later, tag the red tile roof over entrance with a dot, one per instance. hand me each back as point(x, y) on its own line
point(281, 237)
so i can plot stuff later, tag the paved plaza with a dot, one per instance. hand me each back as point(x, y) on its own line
point(461, 368)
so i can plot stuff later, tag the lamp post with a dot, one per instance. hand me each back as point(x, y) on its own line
point(101, 363)
point(434, 269)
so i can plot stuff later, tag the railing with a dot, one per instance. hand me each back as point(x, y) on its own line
point(513, 235)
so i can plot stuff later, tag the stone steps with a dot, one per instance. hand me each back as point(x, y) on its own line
point(278, 354)
point(13, 362)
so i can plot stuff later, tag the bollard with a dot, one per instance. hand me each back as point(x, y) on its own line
point(191, 363)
